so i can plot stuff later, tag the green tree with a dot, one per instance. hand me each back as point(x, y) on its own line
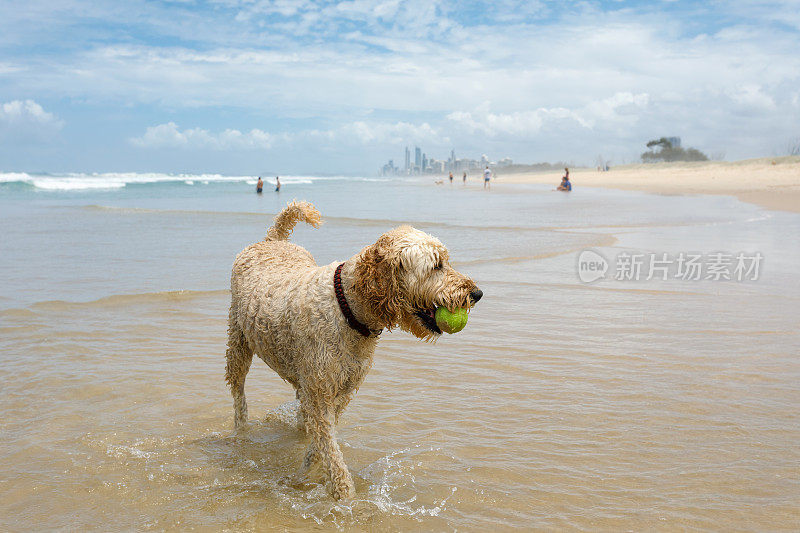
point(667, 152)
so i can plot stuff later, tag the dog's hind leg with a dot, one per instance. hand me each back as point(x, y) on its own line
point(301, 412)
point(341, 402)
point(238, 359)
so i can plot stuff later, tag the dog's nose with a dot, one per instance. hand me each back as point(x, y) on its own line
point(476, 295)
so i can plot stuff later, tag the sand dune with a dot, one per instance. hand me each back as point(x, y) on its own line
point(773, 183)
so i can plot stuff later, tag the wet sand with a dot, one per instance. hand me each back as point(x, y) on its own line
point(773, 183)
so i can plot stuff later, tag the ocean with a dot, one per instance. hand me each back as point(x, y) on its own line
point(642, 400)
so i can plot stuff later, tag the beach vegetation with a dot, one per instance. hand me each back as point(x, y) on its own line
point(793, 147)
point(663, 149)
point(536, 167)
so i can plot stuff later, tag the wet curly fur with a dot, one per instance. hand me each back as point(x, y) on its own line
point(283, 308)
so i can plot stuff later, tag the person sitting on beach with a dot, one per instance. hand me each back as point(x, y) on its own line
point(277, 184)
point(259, 185)
point(565, 184)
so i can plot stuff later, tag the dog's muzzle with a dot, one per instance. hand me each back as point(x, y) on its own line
point(476, 295)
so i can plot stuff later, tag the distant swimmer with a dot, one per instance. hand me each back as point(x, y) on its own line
point(259, 185)
point(487, 175)
point(464, 178)
point(277, 184)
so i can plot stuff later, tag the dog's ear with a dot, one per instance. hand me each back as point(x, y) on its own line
point(378, 272)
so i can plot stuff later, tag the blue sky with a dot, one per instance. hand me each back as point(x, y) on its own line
point(294, 86)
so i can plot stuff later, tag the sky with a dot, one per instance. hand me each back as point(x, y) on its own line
point(302, 87)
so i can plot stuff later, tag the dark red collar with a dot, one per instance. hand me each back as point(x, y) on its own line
point(346, 311)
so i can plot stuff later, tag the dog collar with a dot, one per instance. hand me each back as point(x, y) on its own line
point(346, 311)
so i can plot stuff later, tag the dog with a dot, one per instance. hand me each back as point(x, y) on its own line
point(317, 326)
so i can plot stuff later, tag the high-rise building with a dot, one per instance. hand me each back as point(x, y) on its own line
point(417, 157)
point(408, 160)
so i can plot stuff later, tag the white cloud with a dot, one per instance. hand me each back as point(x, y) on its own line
point(26, 121)
point(521, 124)
point(29, 111)
point(357, 133)
point(8, 68)
point(617, 106)
point(550, 80)
point(752, 96)
point(169, 135)
point(381, 133)
point(620, 107)
point(517, 71)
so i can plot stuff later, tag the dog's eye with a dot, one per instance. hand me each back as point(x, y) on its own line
point(438, 266)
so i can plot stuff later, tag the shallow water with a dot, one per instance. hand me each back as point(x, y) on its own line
point(563, 405)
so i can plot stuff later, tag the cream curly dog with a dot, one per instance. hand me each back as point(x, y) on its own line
point(317, 326)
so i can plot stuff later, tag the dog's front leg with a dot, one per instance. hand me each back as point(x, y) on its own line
point(320, 417)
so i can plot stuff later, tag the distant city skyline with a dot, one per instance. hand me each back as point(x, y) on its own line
point(428, 165)
point(246, 87)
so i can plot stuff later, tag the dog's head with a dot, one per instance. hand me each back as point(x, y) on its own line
point(406, 275)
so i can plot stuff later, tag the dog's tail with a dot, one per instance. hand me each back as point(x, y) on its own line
point(286, 220)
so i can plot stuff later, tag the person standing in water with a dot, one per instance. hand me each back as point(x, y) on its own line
point(451, 177)
point(277, 184)
point(487, 175)
point(464, 178)
point(259, 185)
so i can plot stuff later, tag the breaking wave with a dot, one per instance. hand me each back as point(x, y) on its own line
point(119, 180)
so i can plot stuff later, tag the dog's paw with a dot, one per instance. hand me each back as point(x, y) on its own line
point(341, 488)
point(343, 492)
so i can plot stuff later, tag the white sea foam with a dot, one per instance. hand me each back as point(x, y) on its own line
point(14, 176)
point(74, 184)
point(118, 180)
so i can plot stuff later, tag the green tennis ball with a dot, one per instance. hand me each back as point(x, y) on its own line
point(451, 322)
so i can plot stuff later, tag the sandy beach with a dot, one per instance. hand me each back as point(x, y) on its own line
point(773, 183)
